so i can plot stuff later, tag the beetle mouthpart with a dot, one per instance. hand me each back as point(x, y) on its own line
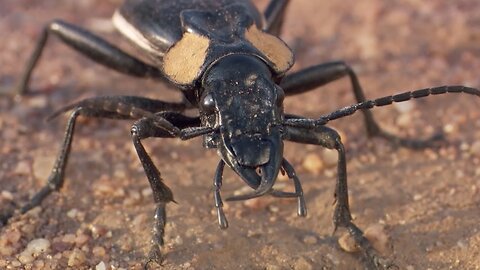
point(269, 175)
point(251, 151)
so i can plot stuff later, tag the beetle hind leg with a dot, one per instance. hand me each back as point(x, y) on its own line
point(90, 46)
point(56, 179)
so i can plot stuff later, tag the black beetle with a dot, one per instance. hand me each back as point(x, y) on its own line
point(227, 60)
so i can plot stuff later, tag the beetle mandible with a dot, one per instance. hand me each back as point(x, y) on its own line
point(226, 59)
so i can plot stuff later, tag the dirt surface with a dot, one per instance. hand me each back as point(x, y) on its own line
point(427, 201)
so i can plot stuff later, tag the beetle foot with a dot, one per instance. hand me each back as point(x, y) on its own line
point(341, 217)
point(374, 261)
point(222, 219)
point(154, 257)
point(369, 256)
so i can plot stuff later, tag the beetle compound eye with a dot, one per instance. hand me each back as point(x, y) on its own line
point(208, 104)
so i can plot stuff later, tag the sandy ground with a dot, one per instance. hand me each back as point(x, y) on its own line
point(427, 201)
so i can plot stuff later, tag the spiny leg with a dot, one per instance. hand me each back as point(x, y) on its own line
point(329, 138)
point(310, 78)
point(274, 15)
point(114, 107)
point(161, 125)
point(89, 45)
point(56, 178)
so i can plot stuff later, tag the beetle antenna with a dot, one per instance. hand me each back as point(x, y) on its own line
point(383, 101)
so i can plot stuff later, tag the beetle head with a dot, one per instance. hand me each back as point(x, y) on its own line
point(241, 99)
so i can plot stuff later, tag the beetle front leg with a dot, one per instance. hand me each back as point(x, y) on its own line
point(159, 126)
point(143, 129)
point(329, 138)
point(310, 78)
point(217, 184)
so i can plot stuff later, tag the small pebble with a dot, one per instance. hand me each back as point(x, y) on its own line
point(404, 107)
point(12, 236)
point(272, 267)
point(330, 157)
point(22, 168)
point(310, 240)
point(101, 266)
point(302, 264)
point(97, 231)
point(7, 195)
point(76, 258)
point(347, 243)
point(313, 163)
point(404, 120)
point(33, 249)
point(38, 246)
point(72, 213)
point(475, 148)
point(449, 128)
point(379, 238)
point(69, 238)
point(99, 251)
point(81, 239)
point(39, 101)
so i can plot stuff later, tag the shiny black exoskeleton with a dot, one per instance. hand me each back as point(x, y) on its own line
point(226, 58)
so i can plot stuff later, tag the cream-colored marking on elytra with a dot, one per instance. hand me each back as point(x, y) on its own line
point(133, 34)
point(183, 61)
point(272, 47)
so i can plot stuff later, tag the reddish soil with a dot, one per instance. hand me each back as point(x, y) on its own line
point(428, 201)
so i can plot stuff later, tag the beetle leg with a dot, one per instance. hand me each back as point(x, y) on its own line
point(158, 125)
point(56, 178)
point(274, 14)
point(91, 46)
point(329, 138)
point(310, 78)
point(114, 107)
point(217, 184)
point(302, 206)
point(122, 107)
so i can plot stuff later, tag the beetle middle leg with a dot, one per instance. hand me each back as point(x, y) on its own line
point(89, 45)
point(329, 138)
point(310, 78)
